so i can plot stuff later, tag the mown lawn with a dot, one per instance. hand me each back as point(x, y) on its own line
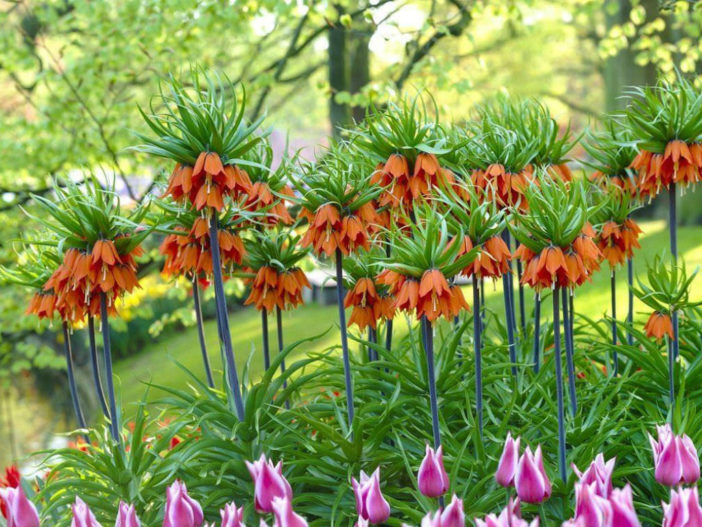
point(157, 363)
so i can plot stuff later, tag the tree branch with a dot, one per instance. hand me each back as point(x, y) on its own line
point(422, 51)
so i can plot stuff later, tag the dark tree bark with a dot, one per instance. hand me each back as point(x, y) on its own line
point(360, 68)
point(621, 71)
point(339, 114)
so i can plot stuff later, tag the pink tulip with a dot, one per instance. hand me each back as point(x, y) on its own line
point(82, 516)
point(507, 467)
point(269, 483)
point(452, 515)
point(509, 517)
point(531, 480)
point(674, 457)
point(232, 516)
point(19, 510)
point(181, 509)
point(690, 460)
point(361, 522)
point(574, 523)
point(683, 510)
point(432, 479)
point(126, 516)
point(284, 514)
point(592, 509)
point(623, 512)
point(600, 473)
point(370, 503)
point(432, 520)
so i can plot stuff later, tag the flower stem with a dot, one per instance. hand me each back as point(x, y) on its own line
point(615, 355)
point(477, 351)
point(107, 358)
point(559, 385)
point(509, 311)
point(372, 339)
point(671, 373)
point(80, 418)
point(388, 334)
point(264, 337)
point(279, 331)
point(570, 363)
point(223, 319)
point(630, 315)
point(674, 251)
point(431, 379)
point(510, 328)
point(537, 331)
point(344, 336)
point(201, 333)
point(95, 365)
point(522, 308)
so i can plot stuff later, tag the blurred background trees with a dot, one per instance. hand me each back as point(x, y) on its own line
point(73, 72)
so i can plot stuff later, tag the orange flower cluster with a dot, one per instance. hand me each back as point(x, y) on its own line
point(561, 171)
point(190, 253)
point(679, 163)
point(431, 296)
point(261, 198)
point(627, 184)
point(271, 288)
point(505, 188)
point(206, 184)
point(328, 230)
point(617, 242)
point(492, 260)
point(554, 266)
point(73, 290)
point(369, 306)
point(659, 325)
point(402, 185)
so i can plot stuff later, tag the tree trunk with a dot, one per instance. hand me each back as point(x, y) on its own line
point(339, 114)
point(360, 68)
point(621, 71)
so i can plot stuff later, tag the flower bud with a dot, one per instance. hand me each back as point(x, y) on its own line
point(432, 479)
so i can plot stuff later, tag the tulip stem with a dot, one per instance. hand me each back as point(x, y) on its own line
point(615, 355)
point(80, 418)
point(223, 318)
point(107, 359)
point(477, 351)
point(537, 331)
point(344, 337)
point(264, 337)
point(630, 315)
point(570, 366)
point(559, 386)
point(431, 379)
point(522, 308)
point(201, 333)
point(95, 365)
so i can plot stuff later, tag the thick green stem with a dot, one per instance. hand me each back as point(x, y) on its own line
point(344, 337)
point(201, 333)
point(223, 319)
point(107, 359)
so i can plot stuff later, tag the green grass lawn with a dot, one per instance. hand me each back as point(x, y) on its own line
point(157, 363)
